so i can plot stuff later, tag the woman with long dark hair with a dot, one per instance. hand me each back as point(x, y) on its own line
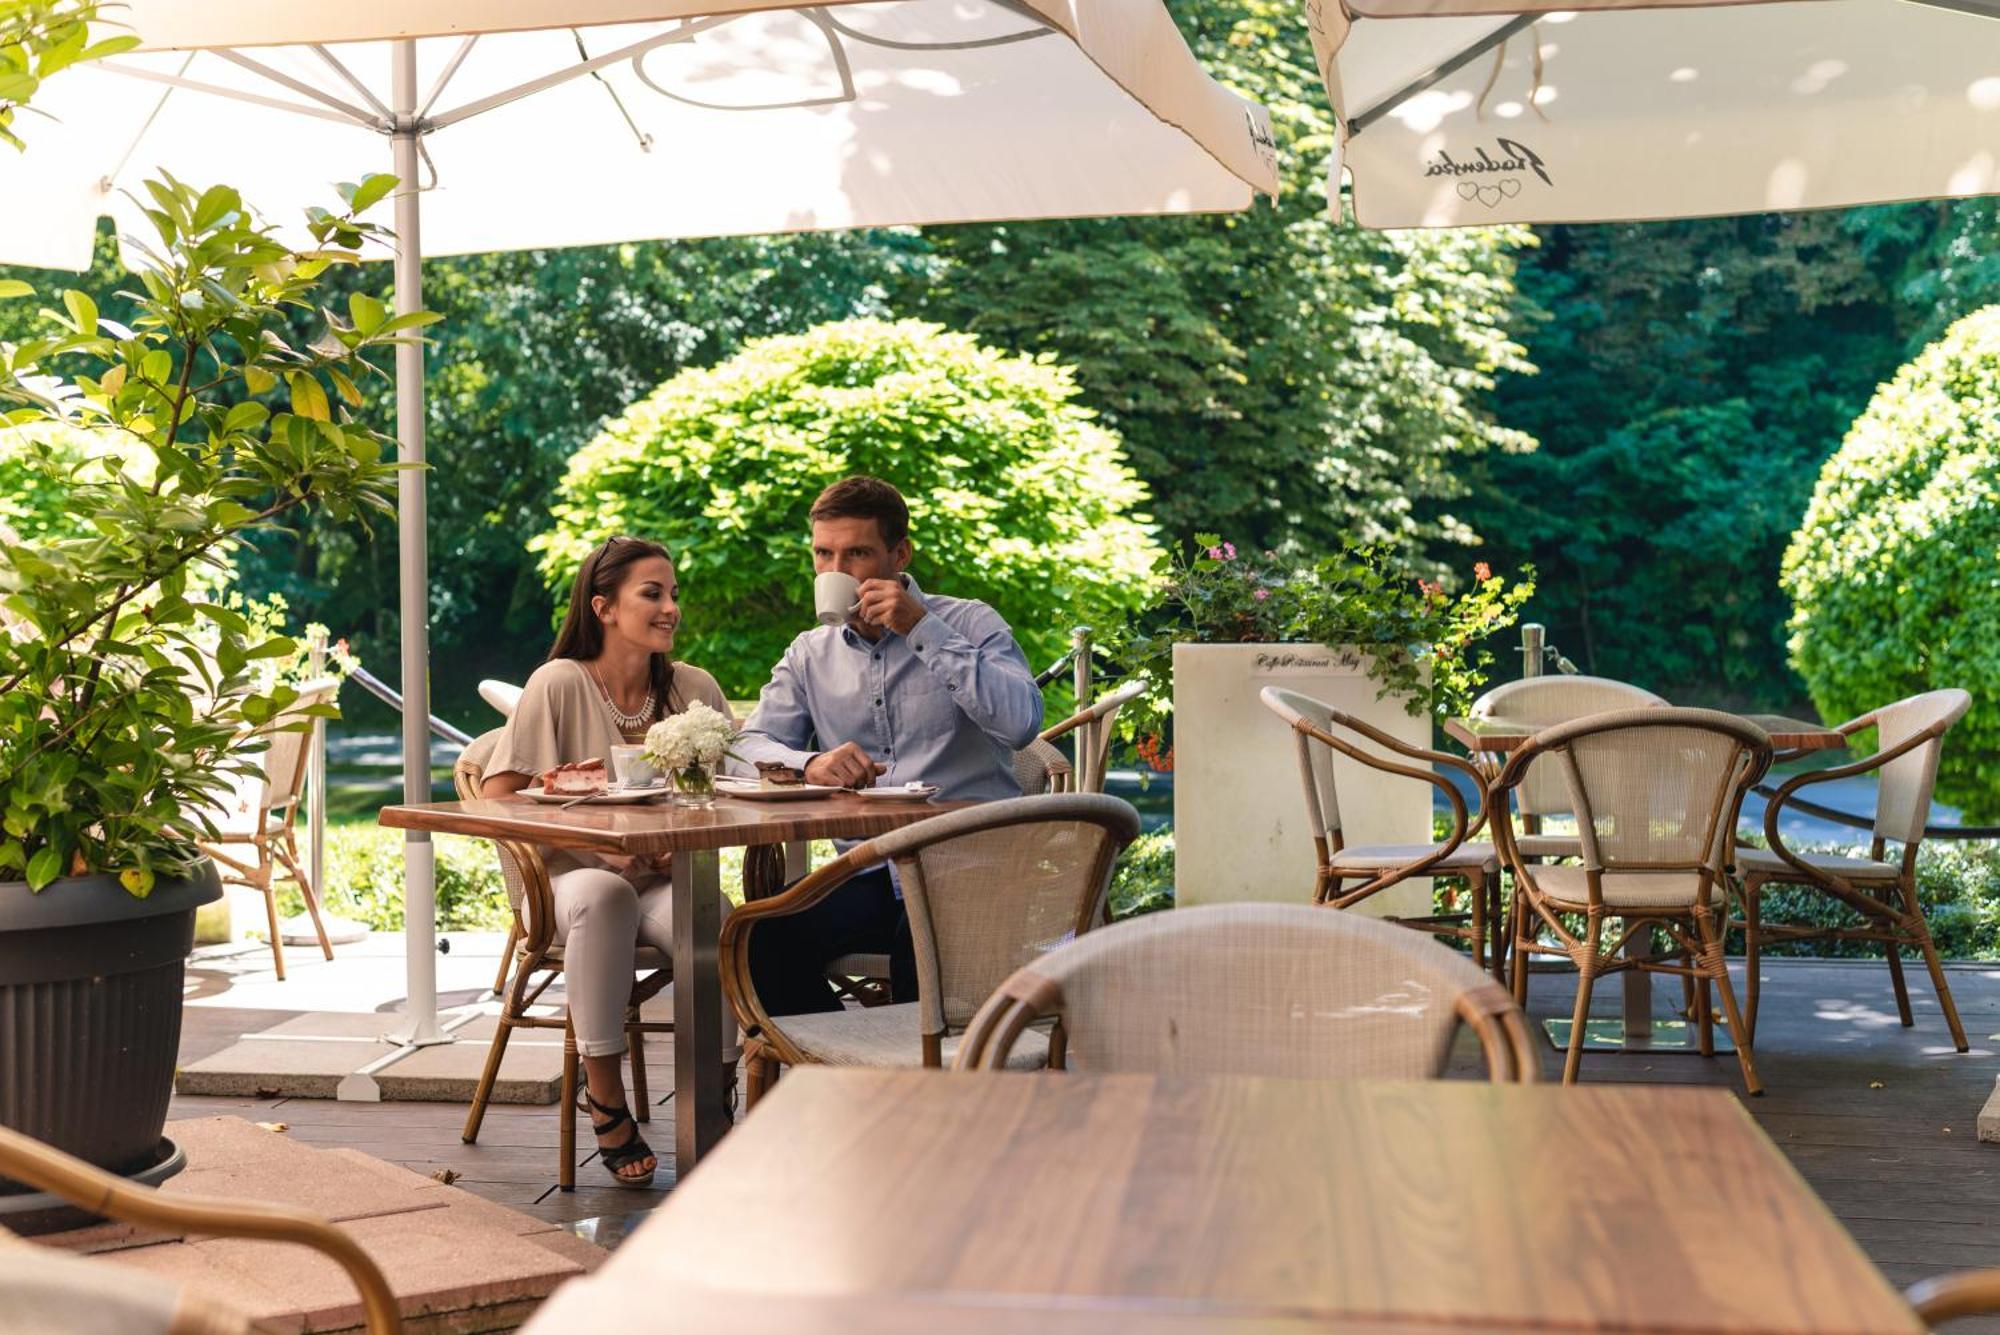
point(610, 676)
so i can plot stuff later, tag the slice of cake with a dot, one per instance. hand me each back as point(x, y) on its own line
point(584, 778)
point(776, 774)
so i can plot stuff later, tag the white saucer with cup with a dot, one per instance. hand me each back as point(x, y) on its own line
point(631, 769)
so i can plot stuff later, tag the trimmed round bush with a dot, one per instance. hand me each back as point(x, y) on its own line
point(1017, 495)
point(1894, 574)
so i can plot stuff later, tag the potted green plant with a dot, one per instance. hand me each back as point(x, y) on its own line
point(126, 682)
point(1356, 628)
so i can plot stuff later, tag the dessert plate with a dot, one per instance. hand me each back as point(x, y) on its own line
point(609, 797)
point(750, 790)
point(922, 792)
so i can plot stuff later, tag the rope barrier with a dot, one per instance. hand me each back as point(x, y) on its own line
point(393, 698)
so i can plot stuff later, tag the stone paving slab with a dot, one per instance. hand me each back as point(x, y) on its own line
point(531, 1072)
point(310, 1055)
point(457, 1262)
point(436, 1264)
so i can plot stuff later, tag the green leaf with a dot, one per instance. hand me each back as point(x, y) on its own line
point(308, 398)
point(257, 380)
point(414, 320)
point(14, 287)
point(82, 310)
point(245, 416)
point(372, 190)
point(44, 867)
point(367, 312)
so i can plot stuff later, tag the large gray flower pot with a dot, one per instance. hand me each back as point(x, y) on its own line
point(90, 1013)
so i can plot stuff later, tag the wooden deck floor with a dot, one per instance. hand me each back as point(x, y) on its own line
point(1879, 1119)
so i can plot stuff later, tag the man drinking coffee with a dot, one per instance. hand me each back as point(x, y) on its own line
point(910, 687)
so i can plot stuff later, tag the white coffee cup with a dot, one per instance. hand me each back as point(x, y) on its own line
point(631, 769)
point(836, 597)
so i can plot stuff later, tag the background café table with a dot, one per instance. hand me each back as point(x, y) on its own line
point(1227, 1203)
point(694, 838)
point(1635, 1030)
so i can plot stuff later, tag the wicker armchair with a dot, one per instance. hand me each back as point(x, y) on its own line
point(1321, 731)
point(257, 834)
point(536, 961)
point(1039, 768)
point(1656, 792)
point(987, 888)
point(1543, 702)
point(1254, 989)
point(51, 1290)
point(1092, 726)
point(1910, 734)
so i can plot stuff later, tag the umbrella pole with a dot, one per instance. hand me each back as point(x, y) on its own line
point(420, 1023)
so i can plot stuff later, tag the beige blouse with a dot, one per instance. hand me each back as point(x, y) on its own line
point(562, 718)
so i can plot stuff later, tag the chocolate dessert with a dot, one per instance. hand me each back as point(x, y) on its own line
point(774, 774)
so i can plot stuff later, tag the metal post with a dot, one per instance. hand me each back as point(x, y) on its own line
point(316, 774)
point(420, 1024)
point(1532, 653)
point(1086, 736)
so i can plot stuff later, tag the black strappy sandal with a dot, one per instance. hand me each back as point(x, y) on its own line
point(616, 1157)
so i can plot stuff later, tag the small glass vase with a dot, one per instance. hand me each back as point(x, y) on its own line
point(695, 786)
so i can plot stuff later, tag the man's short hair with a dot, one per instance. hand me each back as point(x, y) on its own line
point(866, 498)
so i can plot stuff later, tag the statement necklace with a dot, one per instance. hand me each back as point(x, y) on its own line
point(626, 722)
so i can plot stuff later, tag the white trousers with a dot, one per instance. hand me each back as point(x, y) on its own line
point(601, 920)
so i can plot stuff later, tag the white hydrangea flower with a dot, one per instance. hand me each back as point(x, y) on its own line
point(697, 736)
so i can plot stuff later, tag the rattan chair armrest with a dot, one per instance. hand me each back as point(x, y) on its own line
point(1949, 1297)
point(1024, 997)
point(1515, 769)
point(536, 914)
point(1096, 709)
point(28, 1161)
point(1463, 827)
point(733, 945)
point(1503, 1035)
point(1775, 807)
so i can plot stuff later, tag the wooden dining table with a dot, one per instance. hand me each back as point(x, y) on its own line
point(1063, 1201)
point(693, 838)
point(1494, 737)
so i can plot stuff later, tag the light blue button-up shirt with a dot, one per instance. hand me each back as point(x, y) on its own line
point(948, 704)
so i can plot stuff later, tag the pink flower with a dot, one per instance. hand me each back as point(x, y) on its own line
point(1229, 551)
point(1215, 553)
point(1482, 572)
point(1261, 594)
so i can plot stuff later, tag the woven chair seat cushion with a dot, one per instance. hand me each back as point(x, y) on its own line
point(1548, 845)
point(1625, 889)
point(859, 966)
point(1763, 862)
point(1466, 857)
point(644, 960)
point(889, 1036)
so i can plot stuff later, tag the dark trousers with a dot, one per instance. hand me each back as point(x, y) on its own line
point(789, 954)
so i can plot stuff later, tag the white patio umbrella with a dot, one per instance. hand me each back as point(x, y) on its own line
point(1466, 112)
point(566, 122)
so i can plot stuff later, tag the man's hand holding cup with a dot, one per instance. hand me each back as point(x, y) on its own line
point(886, 602)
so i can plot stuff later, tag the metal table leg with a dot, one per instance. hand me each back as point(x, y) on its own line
point(700, 1116)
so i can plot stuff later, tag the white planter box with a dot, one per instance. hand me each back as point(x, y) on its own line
point(1240, 824)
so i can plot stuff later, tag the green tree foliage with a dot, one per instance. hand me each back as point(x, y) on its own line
point(1278, 378)
point(1694, 375)
point(1895, 573)
point(537, 350)
point(1017, 496)
point(124, 692)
